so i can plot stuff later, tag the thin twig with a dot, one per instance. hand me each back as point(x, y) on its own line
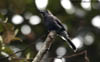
point(17, 51)
point(77, 54)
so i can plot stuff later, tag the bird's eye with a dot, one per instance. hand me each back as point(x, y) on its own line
point(46, 11)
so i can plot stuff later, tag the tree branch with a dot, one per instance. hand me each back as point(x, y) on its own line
point(45, 47)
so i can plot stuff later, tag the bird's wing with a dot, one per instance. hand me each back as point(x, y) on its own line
point(57, 21)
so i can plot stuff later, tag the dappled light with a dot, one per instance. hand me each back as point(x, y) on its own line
point(26, 29)
point(41, 4)
point(3, 47)
point(80, 12)
point(78, 42)
point(61, 51)
point(17, 19)
point(66, 27)
point(57, 60)
point(96, 21)
point(4, 54)
point(67, 5)
point(34, 20)
point(15, 49)
point(86, 4)
point(89, 39)
point(27, 15)
point(38, 45)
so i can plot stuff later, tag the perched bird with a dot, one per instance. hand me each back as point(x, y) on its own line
point(52, 23)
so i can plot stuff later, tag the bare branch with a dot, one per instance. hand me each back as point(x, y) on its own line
point(45, 47)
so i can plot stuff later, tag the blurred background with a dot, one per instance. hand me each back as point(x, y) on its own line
point(81, 19)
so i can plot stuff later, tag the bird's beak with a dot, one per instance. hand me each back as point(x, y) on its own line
point(41, 11)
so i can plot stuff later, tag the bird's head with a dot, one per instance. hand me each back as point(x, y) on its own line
point(45, 12)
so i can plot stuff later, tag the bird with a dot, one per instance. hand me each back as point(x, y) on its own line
point(52, 23)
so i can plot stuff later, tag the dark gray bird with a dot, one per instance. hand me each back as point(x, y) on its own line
point(52, 23)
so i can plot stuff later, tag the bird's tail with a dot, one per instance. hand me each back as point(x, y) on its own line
point(65, 37)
